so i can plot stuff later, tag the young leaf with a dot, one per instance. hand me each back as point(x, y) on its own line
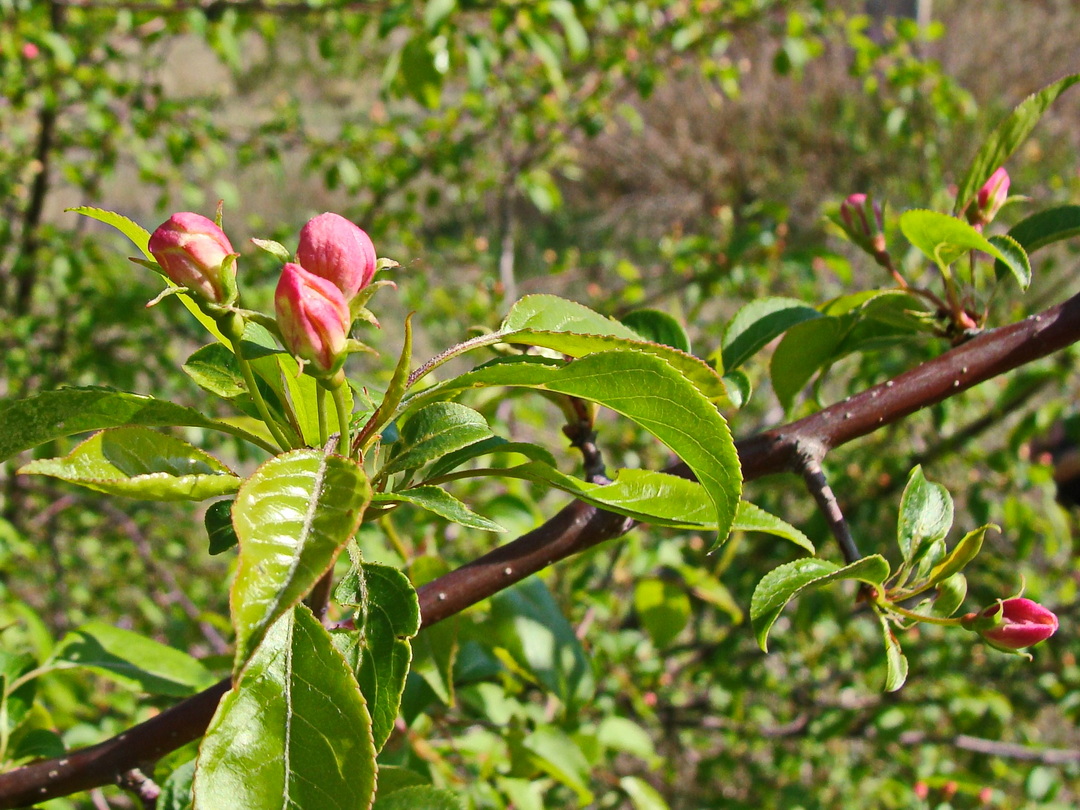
point(643, 388)
point(433, 432)
point(293, 732)
point(944, 239)
point(137, 462)
point(757, 324)
point(439, 502)
point(950, 596)
point(133, 660)
point(964, 552)
point(379, 651)
point(292, 516)
point(926, 515)
point(781, 585)
point(896, 665)
point(1009, 134)
point(398, 383)
point(55, 414)
point(658, 327)
point(1016, 260)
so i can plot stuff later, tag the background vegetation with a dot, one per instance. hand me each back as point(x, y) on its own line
point(673, 155)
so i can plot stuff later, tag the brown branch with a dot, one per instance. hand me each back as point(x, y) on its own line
point(579, 527)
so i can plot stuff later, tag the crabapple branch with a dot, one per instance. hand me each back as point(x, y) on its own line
point(578, 527)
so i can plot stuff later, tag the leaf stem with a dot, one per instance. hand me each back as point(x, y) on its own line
point(338, 392)
point(320, 399)
point(257, 398)
point(917, 617)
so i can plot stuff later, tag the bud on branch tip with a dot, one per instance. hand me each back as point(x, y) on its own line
point(195, 253)
point(335, 249)
point(313, 317)
point(989, 200)
point(1012, 624)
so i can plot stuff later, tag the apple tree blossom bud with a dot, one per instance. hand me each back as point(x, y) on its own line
point(1012, 624)
point(335, 249)
point(312, 315)
point(861, 219)
point(195, 253)
point(989, 200)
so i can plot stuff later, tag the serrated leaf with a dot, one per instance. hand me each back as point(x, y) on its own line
point(419, 797)
point(944, 239)
point(896, 664)
point(781, 585)
point(528, 623)
point(1008, 135)
point(1041, 229)
point(1016, 260)
point(55, 414)
point(757, 324)
point(139, 236)
point(663, 608)
point(214, 368)
point(964, 552)
point(137, 462)
point(926, 515)
point(554, 323)
point(439, 502)
point(803, 351)
point(379, 651)
point(489, 446)
point(294, 732)
point(658, 327)
point(131, 659)
point(434, 431)
point(643, 388)
point(292, 516)
point(753, 518)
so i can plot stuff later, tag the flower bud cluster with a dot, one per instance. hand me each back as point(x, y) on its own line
point(861, 219)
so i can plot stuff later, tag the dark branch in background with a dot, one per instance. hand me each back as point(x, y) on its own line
point(579, 527)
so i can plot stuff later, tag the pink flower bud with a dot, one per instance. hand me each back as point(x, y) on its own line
point(192, 251)
point(312, 315)
point(30, 51)
point(862, 220)
point(1012, 624)
point(989, 200)
point(333, 248)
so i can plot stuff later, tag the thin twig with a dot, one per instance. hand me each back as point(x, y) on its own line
point(809, 459)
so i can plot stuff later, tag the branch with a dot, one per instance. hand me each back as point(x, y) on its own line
point(579, 527)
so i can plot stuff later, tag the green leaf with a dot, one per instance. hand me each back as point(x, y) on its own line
point(554, 323)
point(55, 414)
point(751, 518)
point(137, 462)
point(489, 446)
point(294, 732)
point(419, 797)
point(15, 704)
point(950, 596)
point(781, 585)
point(379, 651)
point(292, 516)
point(132, 660)
point(944, 239)
point(133, 231)
point(1039, 230)
point(214, 368)
point(658, 327)
point(422, 79)
point(643, 388)
point(1009, 134)
point(1016, 260)
point(759, 323)
point(440, 502)
point(964, 552)
point(643, 796)
point(275, 249)
point(577, 38)
point(435, 11)
point(926, 515)
point(738, 386)
point(398, 384)
point(434, 431)
point(529, 625)
point(393, 778)
point(219, 526)
point(896, 665)
point(663, 608)
point(804, 349)
point(176, 790)
point(555, 753)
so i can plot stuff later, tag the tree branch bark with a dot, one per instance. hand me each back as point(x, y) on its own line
point(578, 527)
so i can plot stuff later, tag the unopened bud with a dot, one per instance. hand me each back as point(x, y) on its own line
point(1012, 624)
point(312, 315)
point(195, 253)
point(862, 221)
point(335, 249)
point(989, 200)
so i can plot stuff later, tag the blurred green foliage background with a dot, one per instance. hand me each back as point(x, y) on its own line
point(675, 155)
